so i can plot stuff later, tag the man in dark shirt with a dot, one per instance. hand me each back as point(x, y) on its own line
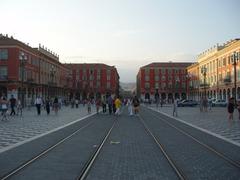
point(12, 104)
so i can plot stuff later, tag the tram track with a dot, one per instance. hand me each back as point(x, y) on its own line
point(176, 169)
point(44, 154)
point(169, 155)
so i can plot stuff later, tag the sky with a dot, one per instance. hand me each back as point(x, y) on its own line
point(127, 34)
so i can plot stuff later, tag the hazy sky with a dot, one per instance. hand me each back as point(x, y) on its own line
point(124, 33)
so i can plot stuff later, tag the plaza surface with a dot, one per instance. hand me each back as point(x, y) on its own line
point(17, 130)
point(214, 121)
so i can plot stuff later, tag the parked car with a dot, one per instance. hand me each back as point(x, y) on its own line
point(219, 103)
point(185, 102)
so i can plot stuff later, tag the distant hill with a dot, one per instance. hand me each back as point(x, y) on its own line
point(128, 86)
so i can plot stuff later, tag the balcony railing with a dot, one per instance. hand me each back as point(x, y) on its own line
point(3, 77)
point(202, 85)
point(227, 80)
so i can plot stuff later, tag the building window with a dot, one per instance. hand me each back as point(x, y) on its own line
point(98, 77)
point(91, 71)
point(3, 72)
point(91, 78)
point(109, 72)
point(156, 78)
point(98, 71)
point(156, 71)
point(108, 77)
point(3, 54)
point(98, 84)
point(146, 77)
point(156, 85)
point(146, 71)
point(108, 85)
point(91, 84)
point(147, 85)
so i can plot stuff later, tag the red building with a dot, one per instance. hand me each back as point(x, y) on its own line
point(167, 80)
point(26, 72)
point(93, 80)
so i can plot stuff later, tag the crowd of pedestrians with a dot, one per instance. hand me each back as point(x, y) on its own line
point(108, 105)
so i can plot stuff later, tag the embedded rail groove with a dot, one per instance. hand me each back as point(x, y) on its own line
point(211, 149)
point(91, 161)
point(35, 158)
point(178, 172)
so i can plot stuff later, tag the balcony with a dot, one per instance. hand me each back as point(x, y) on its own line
point(227, 80)
point(202, 85)
point(3, 78)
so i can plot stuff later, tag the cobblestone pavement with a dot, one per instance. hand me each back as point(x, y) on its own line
point(17, 130)
point(214, 121)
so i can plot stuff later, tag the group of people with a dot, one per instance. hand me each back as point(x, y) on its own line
point(231, 106)
point(47, 104)
point(13, 103)
point(113, 105)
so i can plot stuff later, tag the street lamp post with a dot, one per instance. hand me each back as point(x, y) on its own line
point(204, 73)
point(235, 57)
point(187, 83)
point(52, 73)
point(178, 87)
point(23, 60)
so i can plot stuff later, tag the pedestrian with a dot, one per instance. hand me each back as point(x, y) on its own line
point(175, 106)
point(230, 108)
point(161, 102)
point(210, 104)
point(98, 104)
point(104, 104)
point(55, 105)
point(201, 104)
point(110, 104)
point(89, 108)
point(72, 103)
point(19, 107)
point(136, 105)
point(118, 104)
point(76, 102)
point(238, 107)
point(38, 103)
point(47, 106)
point(12, 105)
point(129, 104)
point(4, 107)
point(205, 104)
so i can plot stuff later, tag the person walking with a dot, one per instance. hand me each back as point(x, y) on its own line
point(104, 104)
point(129, 105)
point(175, 106)
point(98, 104)
point(89, 108)
point(230, 108)
point(76, 102)
point(118, 104)
point(4, 107)
point(19, 107)
point(38, 103)
point(55, 105)
point(110, 104)
point(136, 104)
point(12, 105)
point(238, 107)
point(47, 106)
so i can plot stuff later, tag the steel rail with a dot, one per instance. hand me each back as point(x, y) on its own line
point(24, 165)
point(91, 161)
point(211, 149)
point(179, 173)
